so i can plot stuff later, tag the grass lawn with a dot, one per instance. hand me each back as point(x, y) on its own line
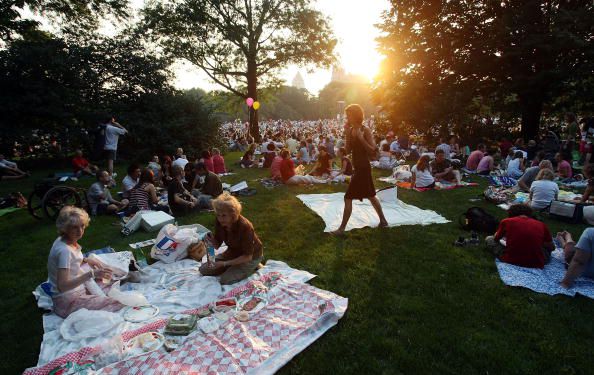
point(417, 304)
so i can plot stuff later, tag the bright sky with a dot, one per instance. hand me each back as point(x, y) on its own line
point(353, 23)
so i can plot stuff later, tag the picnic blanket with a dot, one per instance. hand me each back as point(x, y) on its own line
point(270, 183)
point(546, 280)
point(504, 181)
point(330, 207)
point(173, 288)
point(438, 185)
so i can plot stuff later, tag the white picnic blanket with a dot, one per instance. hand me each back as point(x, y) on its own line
point(171, 287)
point(330, 207)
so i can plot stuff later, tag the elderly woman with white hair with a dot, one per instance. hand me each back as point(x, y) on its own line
point(244, 253)
point(65, 275)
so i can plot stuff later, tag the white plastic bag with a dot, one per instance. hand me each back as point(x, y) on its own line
point(118, 262)
point(84, 323)
point(93, 288)
point(127, 298)
point(172, 243)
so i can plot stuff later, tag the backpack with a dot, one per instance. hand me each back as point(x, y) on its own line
point(477, 219)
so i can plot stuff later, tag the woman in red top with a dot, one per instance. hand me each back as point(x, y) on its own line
point(207, 160)
point(288, 176)
point(218, 162)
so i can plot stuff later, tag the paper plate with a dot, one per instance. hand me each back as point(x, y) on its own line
point(144, 343)
point(141, 313)
point(263, 302)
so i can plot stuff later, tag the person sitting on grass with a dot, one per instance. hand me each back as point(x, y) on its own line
point(143, 196)
point(275, 166)
point(218, 161)
point(131, 178)
point(244, 248)
point(515, 167)
point(210, 188)
point(288, 175)
point(207, 160)
point(564, 171)
point(386, 159)
point(443, 170)
point(155, 167)
point(475, 157)
point(421, 174)
point(528, 242)
point(167, 175)
point(9, 170)
point(247, 161)
point(577, 256)
point(487, 163)
point(322, 165)
point(269, 155)
point(529, 176)
point(181, 202)
point(81, 165)
point(588, 172)
point(540, 156)
point(346, 167)
point(544, 190)
point(64, 268)
point(100, 200)
point(303, 155)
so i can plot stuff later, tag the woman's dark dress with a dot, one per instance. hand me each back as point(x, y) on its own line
point(361, 185)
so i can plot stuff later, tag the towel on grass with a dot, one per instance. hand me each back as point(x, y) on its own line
point(546, 280)
point(330, 207)
point(438, 185)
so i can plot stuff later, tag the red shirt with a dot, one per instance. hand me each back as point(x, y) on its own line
point(209, 164)
point(218, 164)
point(78, 162)
point(474, 159)
point(525, 238)
point(275, 167)
point(287, 169)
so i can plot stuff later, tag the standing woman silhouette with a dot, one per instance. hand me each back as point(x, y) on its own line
point(359, 141)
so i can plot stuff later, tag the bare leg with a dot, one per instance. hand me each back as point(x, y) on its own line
point(110, 166)
point(346, 215)
point(458, 177)
point(378, 208)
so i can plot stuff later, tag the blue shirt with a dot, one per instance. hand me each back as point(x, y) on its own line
point(586, 243)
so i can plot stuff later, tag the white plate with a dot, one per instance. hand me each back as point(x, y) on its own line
point(136, 347)
point(141, 313)
point(256, 309)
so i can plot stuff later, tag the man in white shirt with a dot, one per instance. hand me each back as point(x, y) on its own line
point(181, 161)
point(131, 178)
point(113, 130)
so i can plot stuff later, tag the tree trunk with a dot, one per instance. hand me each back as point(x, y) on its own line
point(252, 83)
point(531, 112)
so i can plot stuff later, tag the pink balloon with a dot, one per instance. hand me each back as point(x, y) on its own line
point(249, 102)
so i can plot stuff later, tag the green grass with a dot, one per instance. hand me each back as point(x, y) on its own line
point(417, 304)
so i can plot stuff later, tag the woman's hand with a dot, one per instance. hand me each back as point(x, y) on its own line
point(94, 263)
point(103, 273)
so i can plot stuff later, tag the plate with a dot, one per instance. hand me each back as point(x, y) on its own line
point(263, 302)
point(140, 313)
point(144, 343)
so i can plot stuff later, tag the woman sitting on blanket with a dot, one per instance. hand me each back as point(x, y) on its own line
point(516, 167)
point(288, 175)
point(487, 163)
point(143, 196)
point(65, 275)
point(421, 174)
point(322, 166)
point(543, 190)
point(577, 256)
point(244, 248)
point(385, 160)
point(528, 242)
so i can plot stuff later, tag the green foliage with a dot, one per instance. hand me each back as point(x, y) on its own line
point(444, 58)
point(241, 45)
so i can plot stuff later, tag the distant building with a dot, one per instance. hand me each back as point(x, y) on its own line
point(340, 75)
point(298, 81)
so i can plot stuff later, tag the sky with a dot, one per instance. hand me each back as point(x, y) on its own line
point(353, 24)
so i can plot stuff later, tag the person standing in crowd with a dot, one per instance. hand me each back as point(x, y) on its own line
point(360, 141)
point(113, 130)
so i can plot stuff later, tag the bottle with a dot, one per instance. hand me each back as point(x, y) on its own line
point(210, 256)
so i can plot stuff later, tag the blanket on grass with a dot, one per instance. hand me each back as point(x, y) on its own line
point(294, 316)
point(438, 186)
point(546, 280)
point(173, 288)
point(330, 207)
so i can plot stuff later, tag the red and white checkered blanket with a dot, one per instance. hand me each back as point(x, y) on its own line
point(296, 315)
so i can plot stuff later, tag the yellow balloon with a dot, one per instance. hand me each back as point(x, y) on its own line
point(256, 105)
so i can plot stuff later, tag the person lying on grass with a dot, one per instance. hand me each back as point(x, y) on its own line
point(442, 168)
point(64, 268)
point(244, 253)
point(288, 175)
point(528, 242)
point(577, 256)
point(421, 174)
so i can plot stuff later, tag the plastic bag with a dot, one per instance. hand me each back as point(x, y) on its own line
point(118, 262)
point(93, 288)
point(84, 323)
point(172, 243)
point(111, 352)
point(127, 298)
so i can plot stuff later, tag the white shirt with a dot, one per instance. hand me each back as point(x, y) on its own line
point(423, 178)
point(65, 256)
point(181, 162)
point(128, 183)
point(112, 134)
point(513, 168)
point(543, 193)
point(395, 146)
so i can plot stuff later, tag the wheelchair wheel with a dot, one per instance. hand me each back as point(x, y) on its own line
point(58, 197)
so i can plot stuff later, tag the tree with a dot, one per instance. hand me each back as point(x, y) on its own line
point(515, 55)
point(75, 14)
point(242, 45)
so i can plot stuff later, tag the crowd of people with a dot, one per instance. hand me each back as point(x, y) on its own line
point(317, 152)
